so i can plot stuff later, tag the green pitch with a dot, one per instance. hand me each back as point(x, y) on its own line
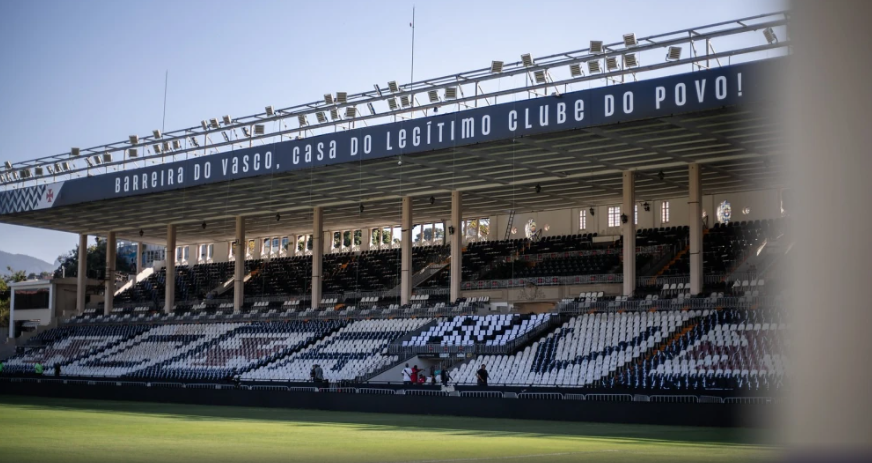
point(60, 430)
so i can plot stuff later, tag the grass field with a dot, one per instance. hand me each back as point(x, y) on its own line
point(61, 430)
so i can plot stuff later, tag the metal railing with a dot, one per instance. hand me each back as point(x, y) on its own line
point(543, 281)
point(636, 305)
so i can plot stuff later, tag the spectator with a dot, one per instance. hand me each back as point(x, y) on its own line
point(433, 374)
point(415, 372)
point(407, 375)
point(481, 376)
point(445, 376)
point(38, 369)
point(57, 369)
point(317, 374)
point(1, 367)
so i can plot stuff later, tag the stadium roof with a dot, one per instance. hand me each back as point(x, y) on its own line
point(573, 145)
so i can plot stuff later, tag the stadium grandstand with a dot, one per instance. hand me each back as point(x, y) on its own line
point(602, 224)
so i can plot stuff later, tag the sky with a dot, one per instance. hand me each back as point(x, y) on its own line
point(90, 72)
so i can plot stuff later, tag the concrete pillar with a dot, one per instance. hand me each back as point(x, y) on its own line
point(317, 253)
point(239, 265)
point(170, 294)
point(629, 231)
point(12, 314)
point(406, 252)
point(694, 205)
point(111, 250)
point(456, 242)
point(139, 264)
point(82, 275)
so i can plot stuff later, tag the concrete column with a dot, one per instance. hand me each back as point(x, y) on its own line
point(317, 253)
point(82, 277)
point(694, 204)
point(139, 264)
point(111, 250)
point(239, 265)
point(629, 231)
point(365, 238)
point(406, 252)
point(12, 314)
point(170, 294)
point(456, 242)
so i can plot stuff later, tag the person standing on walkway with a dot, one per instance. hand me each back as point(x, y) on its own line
point(407, 375)
point(445, 376)
point(481, 376)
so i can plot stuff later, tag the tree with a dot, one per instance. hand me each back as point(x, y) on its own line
point(13, 276)
point(96, 265)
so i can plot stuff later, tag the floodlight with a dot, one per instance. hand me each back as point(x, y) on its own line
point(107, 157)
point(156, 133)
point(24, 173)
point(177, 144)
point(65, 165)
point(630, 40)
point(97, 159)
point(334, 114)
point(496, 67)
point(350, 111)
point(134, 139)
point(246, 132)
point(527, 60)
point(593, 67)
point(157, 148)
point(673, 53)
point(328, 98)
point(611, 63)
point(214, 122)
point(227, 120)
point(342, 97)
point(132, 153)
point(226, 137)
point(269, 111)
point(394, 88)
point(205, 124)
point(38, 170)
point(377, 90)
point(540, 77)
point(405, 100)
point(434, 96)
point(575, 70)
point(769, 33)
point(166, 146)
point(58, 167)
point(302, 120)
point(450, 93)
point(371, 108)
point(321, 117)
point(74, 152)
point(8, 165)
point(630, 60)
point(596, 46)
point(259, 129)
point(195, 142)
point(392, 103)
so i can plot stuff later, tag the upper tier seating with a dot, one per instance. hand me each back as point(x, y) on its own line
point(353, 351)
point(491, 330)
point(378, 270)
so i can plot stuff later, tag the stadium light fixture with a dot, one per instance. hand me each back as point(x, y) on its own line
point(38, 171)
point(527, 60)
point(134, 139)
point(74, 152)
point(269, 111)
point(392, 103)
point(371, 108)
point(24, 173)
point(205, 124)
point(434, 96)
point(177, 144)
point(334, 114)
point(450, 93)
point(593, 67)
point(342, 97)
point(377, 89)
point(58, 167)
point(630, 60)
point(393, 87)
point(132, 153)
point(630, 40)
point(405, 100)
point(259, 129)
point(322, 118)
point(156, 133)
point(302, 120)
point(8, 165)
point(540, 77)
point(214, 122)
point(107, 157)
point(167, 146)
point(350, 111)
point(769, 33)
point(596, 46)
point(496, 67)
point(157, 148)
point(611, 63)
point(227, 120)
point(65, 165)
point(575, 70)
point(328, 98)
point(96, 159)
point(673, 53)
